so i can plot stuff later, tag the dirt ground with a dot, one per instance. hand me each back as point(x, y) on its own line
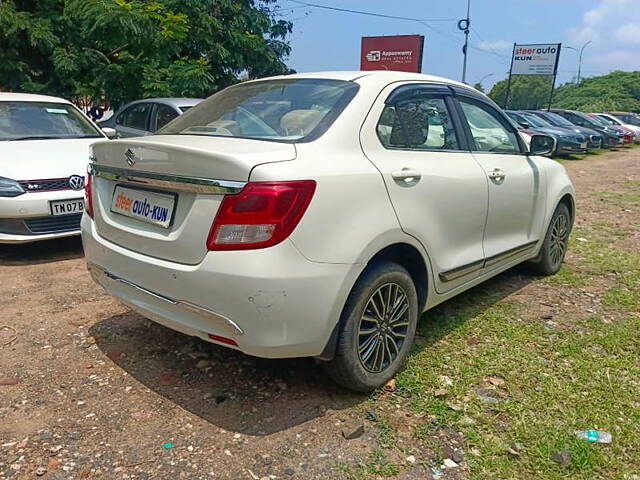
point(89, 389)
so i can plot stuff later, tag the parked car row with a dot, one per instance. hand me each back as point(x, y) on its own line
point(577, 132)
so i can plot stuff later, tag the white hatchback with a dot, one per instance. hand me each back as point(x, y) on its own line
point(44, 152)
point(320, 214)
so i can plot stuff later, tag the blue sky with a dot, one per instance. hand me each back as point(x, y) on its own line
point(329, 40)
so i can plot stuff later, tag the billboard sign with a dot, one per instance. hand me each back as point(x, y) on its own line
point(399, 52)
point(539, 59)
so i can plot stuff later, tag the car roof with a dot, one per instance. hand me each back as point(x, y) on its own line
point(386, 75)
point(29, 97)
point(173, 101)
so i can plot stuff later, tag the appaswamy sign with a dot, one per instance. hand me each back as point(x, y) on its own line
point(539, 59)
point(397, 52)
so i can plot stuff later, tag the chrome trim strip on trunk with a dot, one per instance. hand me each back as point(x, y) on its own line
point(469, 268)
point(183, 183)
point(97, 271)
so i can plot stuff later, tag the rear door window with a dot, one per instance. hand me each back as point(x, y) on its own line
point(419, 123)
point(136, 116)
point(164, 114)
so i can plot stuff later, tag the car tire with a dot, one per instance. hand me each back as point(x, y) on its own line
point(555, 244)
point(377, 328)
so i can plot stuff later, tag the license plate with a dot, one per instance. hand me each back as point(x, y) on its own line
point(583, 145)
point(67, 207)
point(149, 207)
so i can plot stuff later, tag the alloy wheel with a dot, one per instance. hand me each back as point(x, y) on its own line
point(383, 327)
point(558, 240)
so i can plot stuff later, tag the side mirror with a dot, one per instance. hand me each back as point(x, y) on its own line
point(542, 145)
point(109, 132)
point(524, 125)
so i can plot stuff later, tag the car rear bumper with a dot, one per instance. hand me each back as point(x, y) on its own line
point(271, 303)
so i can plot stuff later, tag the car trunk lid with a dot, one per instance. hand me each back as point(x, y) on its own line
point(183, 177)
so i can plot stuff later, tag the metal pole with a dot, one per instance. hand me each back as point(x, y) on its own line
point(506, 98)
point(555, 74)
point(464, 25)
point(580, 61)
point(553, 87)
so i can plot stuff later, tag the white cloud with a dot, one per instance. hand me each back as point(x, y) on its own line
point(629, 33)
point(496, 45)
point(614, 28)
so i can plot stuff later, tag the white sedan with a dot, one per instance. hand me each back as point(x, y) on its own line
point(320, 214)
point(44, 152)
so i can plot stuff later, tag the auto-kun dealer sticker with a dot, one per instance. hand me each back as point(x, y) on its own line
point(150, 207)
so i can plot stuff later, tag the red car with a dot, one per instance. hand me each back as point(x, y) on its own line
point(629, 135)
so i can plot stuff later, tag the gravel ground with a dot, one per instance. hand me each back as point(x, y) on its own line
point(89, 389)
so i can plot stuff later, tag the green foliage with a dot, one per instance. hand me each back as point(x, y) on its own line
point(616, 91)
point(128, 49)
point(527, 92)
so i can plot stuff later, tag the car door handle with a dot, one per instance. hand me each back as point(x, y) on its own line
point(406, 177)
point(497, 174)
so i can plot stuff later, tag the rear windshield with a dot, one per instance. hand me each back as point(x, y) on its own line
point(287, 110)
point(43, 120)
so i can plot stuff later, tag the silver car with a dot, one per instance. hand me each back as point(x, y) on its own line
point(145, 117)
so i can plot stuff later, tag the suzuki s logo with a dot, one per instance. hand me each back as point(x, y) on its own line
point(130, 157)
point(76, 182)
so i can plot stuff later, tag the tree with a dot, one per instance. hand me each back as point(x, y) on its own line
point(478, 86)
point(615, 91)
point(129, 49)
point(527, 92)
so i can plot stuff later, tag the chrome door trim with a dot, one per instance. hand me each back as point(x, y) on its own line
point(512, 252)
point(462, 271)
point(469, 268)
point(99, 274)
point(208, 186)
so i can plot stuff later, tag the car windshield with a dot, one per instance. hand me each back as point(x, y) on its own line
point(558, 120)
point(285, 110)
point(632, 120)
point(535, 121)
point(185, 108)
point(42, 121)
point(589, 119)
point(598, 120)
point(609, 121)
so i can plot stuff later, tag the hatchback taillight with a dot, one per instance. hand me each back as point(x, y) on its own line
point(88, 197)
point(263, 214)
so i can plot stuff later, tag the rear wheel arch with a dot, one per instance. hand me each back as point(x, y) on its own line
point(570, 203)
point(405, 255)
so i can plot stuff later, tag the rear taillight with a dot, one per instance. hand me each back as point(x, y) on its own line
point(263, 214)
point(88, 197)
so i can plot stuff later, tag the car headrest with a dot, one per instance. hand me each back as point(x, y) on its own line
point(300, 122)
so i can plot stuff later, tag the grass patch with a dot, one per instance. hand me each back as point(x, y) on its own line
point(376, 466)
point(579, 373)
point(566, 277)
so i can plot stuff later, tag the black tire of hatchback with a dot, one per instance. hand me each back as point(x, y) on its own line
point(544, 263)
point(346, 368)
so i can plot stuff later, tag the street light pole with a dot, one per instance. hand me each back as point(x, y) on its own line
point(579, 52)
point(580, 60)
point(464, 25)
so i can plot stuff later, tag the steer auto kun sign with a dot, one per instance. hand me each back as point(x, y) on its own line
point(398, 52)
point(535, 59)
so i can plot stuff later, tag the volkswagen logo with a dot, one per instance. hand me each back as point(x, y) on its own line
point(130, 157)
point(76, 182)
